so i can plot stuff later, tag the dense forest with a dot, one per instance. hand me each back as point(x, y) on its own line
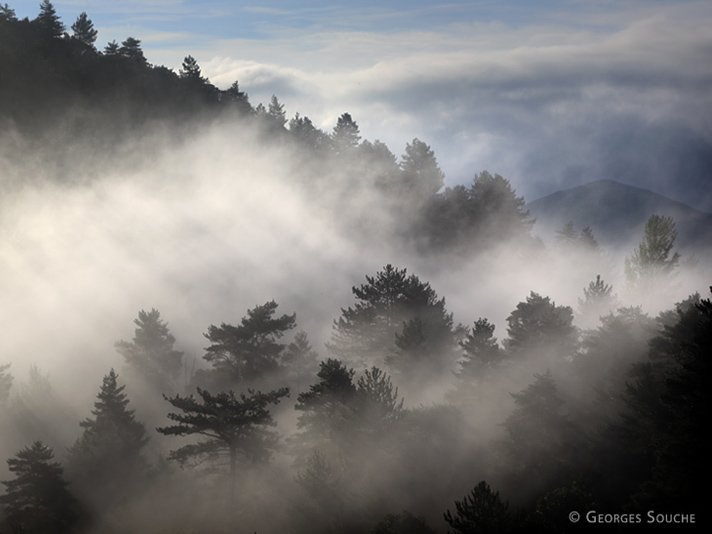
point(334, 388)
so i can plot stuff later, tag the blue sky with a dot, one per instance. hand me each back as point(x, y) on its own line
point(550, 94)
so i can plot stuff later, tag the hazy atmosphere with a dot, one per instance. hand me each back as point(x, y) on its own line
point(335, 267)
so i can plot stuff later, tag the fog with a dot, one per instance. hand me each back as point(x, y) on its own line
point(208, 225)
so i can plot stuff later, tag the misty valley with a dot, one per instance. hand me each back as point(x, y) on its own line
point(218, 319)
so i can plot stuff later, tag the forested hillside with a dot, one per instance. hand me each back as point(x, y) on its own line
point(326, 337)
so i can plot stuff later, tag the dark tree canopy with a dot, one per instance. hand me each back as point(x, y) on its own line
point(107, 457)
point(398, 314)
point(83, 30)
point(422, 176)
point(538, 323)
point(481, 352)
point(7, 14)
point(346, 135)
point(276, 113)
point(131, 49)
point(190, 70)
point(37, 499)
point(48, 20)
point(111, 49)
point(250, 350)
point(236, 425)
point(482, 511)
point(151, 353)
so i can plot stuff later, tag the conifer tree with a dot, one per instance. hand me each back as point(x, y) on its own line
point(346, 135)
point(598, 300)
point(238, 98)
point(567, 234)
point(48, 20)
point(151, 354)
point(111, 49)
point(238, 426)
point(107, 457)
point(421, 173)
point(84, 30)
point(481, 353)
point(654, 255)
point(190, 70)
point(539, 324)
point(37, 499)
point(398, 316)
point(131, 49)
point(482, 510)
point(276, 113)
point(7, 14)
point(250, 350)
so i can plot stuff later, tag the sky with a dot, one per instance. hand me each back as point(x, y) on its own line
point(550, 94)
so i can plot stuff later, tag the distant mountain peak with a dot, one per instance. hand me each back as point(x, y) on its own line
point(617, 213)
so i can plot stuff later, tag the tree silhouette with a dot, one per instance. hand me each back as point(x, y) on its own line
point(190, 70)
point(422, 176)
point(48, 20)
point(654, 257)
point(131, 49)
point(236, 425)
point(481, 353)
point(111, 49)
point(539, 324)
point(481, 511)
point(276, 113)
point(346, 135)
point(7, 14)
point(84, 30)
point(107, 458)
point(250, 350)
point(399, 315)
point(37, 500)
point(150, 354)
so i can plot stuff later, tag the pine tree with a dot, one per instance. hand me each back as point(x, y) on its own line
point(131, 49)
point(567, 234)
point(37, 500)
point(481, 353)
point(276, 112)
point(151, 354)
point(190, 70)
point(654, 257)
point(250, 350)
point(345, 136)
point(420, 170)
point(7, 14)
point(234, 425)
point(482, 511)
point(107, 457)
point(84, 31)
point(111, 49)
point(398, 316)
point(48, 20)
point(5, 383)
point(539, 324)
point(238, 98)
point(328, 406)
point(496, 210)
point(598, 300)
